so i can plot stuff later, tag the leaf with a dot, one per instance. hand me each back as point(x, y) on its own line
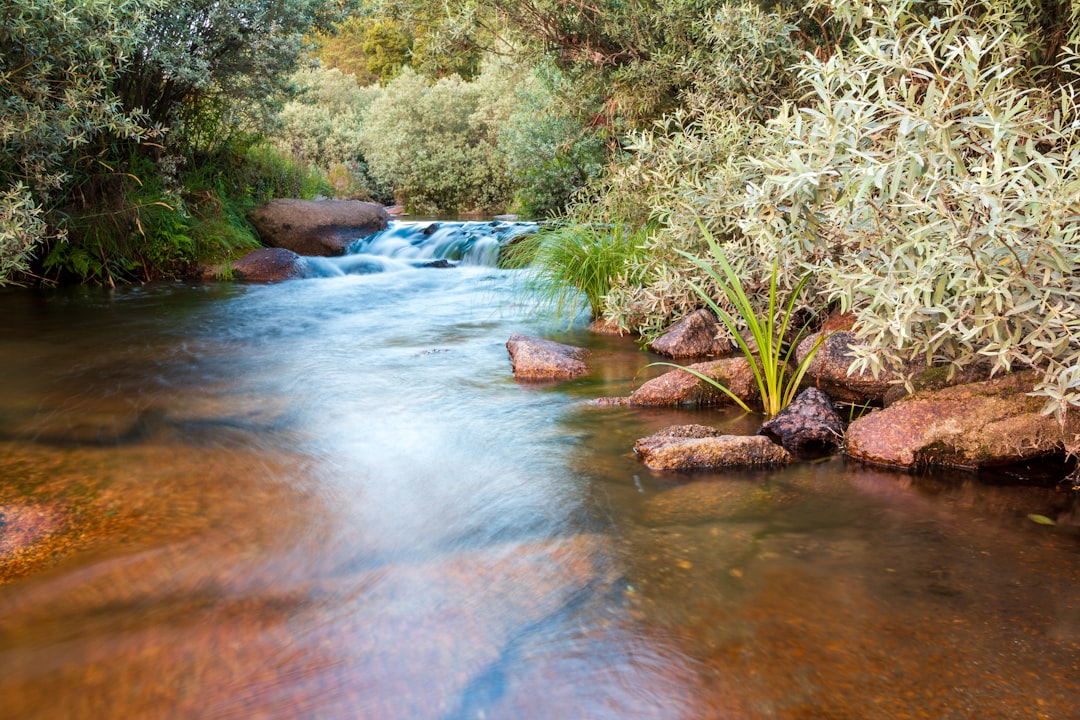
point(1041, 519)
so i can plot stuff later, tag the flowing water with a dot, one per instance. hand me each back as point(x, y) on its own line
point(328, 498)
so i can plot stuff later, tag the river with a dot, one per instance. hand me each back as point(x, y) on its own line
point(328, 498)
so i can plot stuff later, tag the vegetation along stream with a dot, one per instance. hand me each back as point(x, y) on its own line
point(328, 498)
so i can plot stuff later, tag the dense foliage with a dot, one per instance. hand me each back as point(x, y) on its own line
point(58, 63)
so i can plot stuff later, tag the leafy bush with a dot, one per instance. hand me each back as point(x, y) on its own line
point(57, 63)
point(322, 126)
point(551, 152)
point(933, 187)
point(436, 143)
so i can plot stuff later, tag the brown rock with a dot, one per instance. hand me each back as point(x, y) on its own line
point(536, 359)
point(695, 448)
point(693, 336)
point(828, 370)
point(268, 265)
point(317, 227)
point(936, 378)
point(967, 426)
point(604, 326)
point(679, 387)
point(22, 525)
point(672, 434)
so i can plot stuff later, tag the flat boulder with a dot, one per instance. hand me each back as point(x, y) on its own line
point(969, 426)
point(830, 367)
point(536, 359)
point(323, 228)
point(680, 387)
point(697, 447)
point(696, 335)
point(809, 424)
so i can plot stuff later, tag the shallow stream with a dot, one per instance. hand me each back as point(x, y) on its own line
point(328, 498)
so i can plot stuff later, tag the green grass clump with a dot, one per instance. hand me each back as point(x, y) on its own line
point(572, 267)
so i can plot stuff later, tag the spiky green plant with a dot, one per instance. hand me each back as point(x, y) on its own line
point(769, 357)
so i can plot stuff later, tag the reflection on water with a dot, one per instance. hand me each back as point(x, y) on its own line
point(329, 499)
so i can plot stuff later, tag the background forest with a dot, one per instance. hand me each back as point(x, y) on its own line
point(916, 160)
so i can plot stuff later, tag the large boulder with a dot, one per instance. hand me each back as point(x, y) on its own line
point(322, 228)
point(829, 370)
point(536, 359)
point(693, 336)
point(936, 378)
point(970, 426)
point(680, 387)
point(697, 447)
point(809, 424)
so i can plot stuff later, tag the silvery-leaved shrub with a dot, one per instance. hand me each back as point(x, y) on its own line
point(435, 142)
point(931, 185)
point(58, 62)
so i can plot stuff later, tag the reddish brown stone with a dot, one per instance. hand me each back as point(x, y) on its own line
point(536, 359)
point(969, 426)
point(693, 336)
point(269, 265)
point(829, 370)
point(317, 227)
point(679, 387)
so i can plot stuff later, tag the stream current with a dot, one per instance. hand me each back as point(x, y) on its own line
point(328, 498)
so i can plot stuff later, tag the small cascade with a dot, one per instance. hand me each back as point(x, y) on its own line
point(406, 244)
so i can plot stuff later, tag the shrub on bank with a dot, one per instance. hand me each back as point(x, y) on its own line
point(932, 186)
point(436, 143)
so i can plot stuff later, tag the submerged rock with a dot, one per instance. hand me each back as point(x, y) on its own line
point(711, 500)
point(693, 336)
point(968, 426)
point(808, 424)
point(679, 387)
point(536, 359)
point(697, 447)
point(322, 228)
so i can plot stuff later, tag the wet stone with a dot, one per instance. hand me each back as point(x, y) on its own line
point(693, 336)
point(672, 450)
point(968, 426)
point(536, 359)
point(680, 387)
point(809, 424)
point(715, 500)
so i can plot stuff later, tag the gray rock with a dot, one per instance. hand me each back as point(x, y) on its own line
point(808, 424)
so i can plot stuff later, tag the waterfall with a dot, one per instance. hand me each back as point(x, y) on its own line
point(412, 244)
